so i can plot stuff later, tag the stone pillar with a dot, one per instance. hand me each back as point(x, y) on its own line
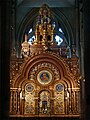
point(82, 47)
point(77, 26)
point(86, 19)
point(13, 25)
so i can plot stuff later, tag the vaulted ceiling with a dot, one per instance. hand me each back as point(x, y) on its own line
point(51, 3)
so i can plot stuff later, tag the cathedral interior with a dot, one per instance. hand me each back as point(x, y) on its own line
point(44, 60)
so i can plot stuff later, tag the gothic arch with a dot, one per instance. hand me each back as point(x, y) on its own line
point(26, 22)
point(31, 16)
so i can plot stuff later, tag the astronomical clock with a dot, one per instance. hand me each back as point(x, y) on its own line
point(44, 81)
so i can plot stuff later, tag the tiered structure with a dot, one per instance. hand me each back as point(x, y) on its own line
point(44, 82)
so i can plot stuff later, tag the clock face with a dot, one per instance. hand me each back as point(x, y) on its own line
point(59, 87)
point(44, 77)
point(29, 88)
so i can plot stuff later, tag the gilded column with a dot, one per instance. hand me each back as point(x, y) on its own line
point(52, 103)
point(66, 101)
point(22, 102)
point(18, 101)
point(37, 35)
point(15, 101)
point(52, 111)
point(11, 101)
point(44, 37)
point(77, 102)
point(52, 35)
point(37, 105)
point(70, 103)
point(74, 101)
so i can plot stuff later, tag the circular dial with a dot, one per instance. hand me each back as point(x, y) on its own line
point(59, 87)
point(29, 88)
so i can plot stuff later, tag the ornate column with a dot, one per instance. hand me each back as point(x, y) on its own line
point(44, 40)
point(22, 100)
point(73, 101)
point(52, 106)
point(18, 100)
point(52, 102)
point(70, 101)
point(37, 34)
point(37, 109)
point(77, 102)
point(52, 34)
point(15, 101)
point(11, 101)
point(66, 101)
